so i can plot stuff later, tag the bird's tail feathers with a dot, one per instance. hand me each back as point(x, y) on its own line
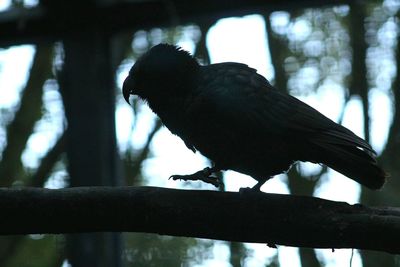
point(355, 163)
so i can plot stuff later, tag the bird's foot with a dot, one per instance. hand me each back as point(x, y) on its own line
point(255, 189)
point(248, 190)
point(203, 175)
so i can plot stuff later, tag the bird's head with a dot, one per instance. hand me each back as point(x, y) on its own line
point(162, 71)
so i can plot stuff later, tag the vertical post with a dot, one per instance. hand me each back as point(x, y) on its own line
point(88, 95)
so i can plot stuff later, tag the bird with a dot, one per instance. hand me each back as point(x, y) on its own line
point(233, 116)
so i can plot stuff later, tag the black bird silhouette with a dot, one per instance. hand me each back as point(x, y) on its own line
point(236, 118)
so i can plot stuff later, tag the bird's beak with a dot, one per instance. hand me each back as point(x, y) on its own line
point(126, 91)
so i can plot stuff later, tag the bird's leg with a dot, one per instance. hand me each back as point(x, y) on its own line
point(256, 187)
point(204, 175)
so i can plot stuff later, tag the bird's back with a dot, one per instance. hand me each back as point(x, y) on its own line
point(241, 122)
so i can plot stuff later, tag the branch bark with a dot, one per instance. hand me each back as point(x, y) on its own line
point(245, 217)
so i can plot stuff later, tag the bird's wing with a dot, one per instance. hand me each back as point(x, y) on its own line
point(238, 94)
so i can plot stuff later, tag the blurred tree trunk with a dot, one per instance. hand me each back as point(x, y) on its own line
point(296, 182)
point(201, 52)
point(39, 178)
point(359, 82)
point(359, 85)
point(278, 51)
point(133, 160)
point(299, 185)
point(87, 84)
point(30, 111)
point(390, 157)
point(237, 254)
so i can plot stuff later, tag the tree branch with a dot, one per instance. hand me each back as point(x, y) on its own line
point(246, 217)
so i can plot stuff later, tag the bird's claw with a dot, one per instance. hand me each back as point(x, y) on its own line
point(203, 175)
point(248, 190)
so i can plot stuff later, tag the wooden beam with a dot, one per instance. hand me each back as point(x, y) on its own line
point(33, 25)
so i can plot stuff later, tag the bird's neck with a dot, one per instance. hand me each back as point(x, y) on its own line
point(170, 111)
point(166, 106)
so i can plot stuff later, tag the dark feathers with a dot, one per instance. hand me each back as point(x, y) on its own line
point(234, 116)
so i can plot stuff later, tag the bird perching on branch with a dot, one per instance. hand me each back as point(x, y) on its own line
point(237, 119)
